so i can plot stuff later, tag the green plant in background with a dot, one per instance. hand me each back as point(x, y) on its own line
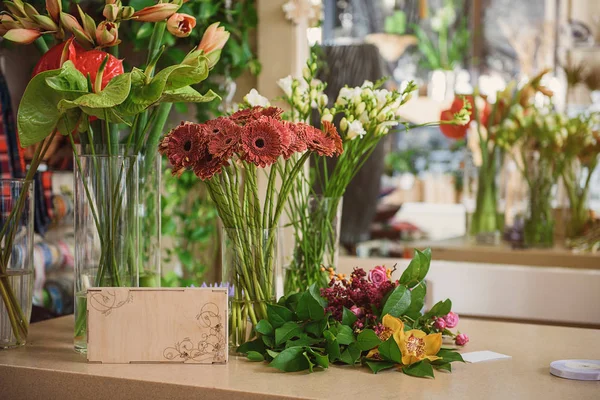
point(445, 43)
point(396, 23)
point(189, 218)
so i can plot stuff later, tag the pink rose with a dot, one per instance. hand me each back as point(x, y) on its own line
point(451, 320)
point(461, 339)
point(357, 311)
point(378, 275)
point(440, 324)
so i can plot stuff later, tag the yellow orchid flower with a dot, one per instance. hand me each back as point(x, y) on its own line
point(416, 345)
point(393, 327)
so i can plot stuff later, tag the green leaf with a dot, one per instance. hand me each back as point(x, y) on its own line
point(443, 367)
point(321, 360)
point(397, 303)
point(268, 340)
point(417, 300)
point(367, 340)
point(308, 308)
point(255, 356)
point(332, 347)
point(390, 351)
point(315, 291)
point(187, 94)
point(69, 81)
point(417, 269)
point(377, 366)
point(255, 345)
point(272, 353)
point(291, 301)
point(310, 363)
point(316, 328)
point(290, 360)
point(303, 340)
point(345, 335)
point(287, 331)
point(450, 356)
point(278, 315)
point(351, 355)
point(441, 308)
point(264, 327)
point(145, 30)
point(421, 369)
point(348, 317)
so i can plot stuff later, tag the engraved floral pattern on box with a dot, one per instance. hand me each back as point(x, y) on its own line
point(107, 301)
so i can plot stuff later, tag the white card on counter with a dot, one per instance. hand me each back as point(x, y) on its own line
point(484, 355)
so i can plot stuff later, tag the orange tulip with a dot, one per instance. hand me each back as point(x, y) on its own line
point(22, 35)
point(214, 39)
point(181, 25)
point(107, 34)
point(156, 13)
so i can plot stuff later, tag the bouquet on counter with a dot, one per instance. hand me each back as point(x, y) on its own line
point(367, 319)
point(228, 153)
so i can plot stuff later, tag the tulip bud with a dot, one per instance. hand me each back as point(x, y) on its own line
point(111, 12)
point(213, 39)
point(22, 36)
point(126, 12)
point(54, 8)
point(45, 22)
point(107, 34)
point(157, 12)
point(181, 25)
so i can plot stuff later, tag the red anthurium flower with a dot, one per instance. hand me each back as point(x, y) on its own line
point(460, 131)
point(52, 58)
point(452, 131)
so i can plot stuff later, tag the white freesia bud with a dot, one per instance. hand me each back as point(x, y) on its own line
point(316, 83)
point(306, 74)
point(364, 118)
point(382, 97)
point(356, 99)
point(367, 84)
point(327, 117)
point(323, 100)
point(344, 124)
point(373, 114)
point(462, 117)
point(361, 107)
point(286, 85)
point(355, 129)
point(253, 98)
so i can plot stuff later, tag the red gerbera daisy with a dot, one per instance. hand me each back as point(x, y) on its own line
point(207, 165)
point(332, 133)
point(224, 137)
point(264, 140)
point(183, 145)
point(298, 138)
point(319, 142)
point(247, 115)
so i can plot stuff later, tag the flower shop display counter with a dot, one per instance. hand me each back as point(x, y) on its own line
point(49, 368)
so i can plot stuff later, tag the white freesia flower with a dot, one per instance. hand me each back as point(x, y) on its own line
point(364, 118)
point(382, 97)
point(286, 85)
point(355, 129)
point(253, 98)
point(436, 24)
point(367, 84)
point(327, 117)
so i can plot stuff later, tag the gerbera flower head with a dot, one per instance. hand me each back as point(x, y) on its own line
point(183, 145)
point(242, 117)
point(332, 133)
point(264, 140)
point(224, 137)
point(297, 138)
point(319, 142)
point(208, 165)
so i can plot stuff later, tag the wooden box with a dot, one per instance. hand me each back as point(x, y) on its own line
point(162, 325)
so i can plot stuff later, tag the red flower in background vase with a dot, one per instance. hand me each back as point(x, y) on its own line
point(460, 131)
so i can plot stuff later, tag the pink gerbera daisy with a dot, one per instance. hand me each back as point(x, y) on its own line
point(332, 133)
point(224, 137)
point(264, 140)
point(183, 145)
point(207, 165)
point(319, 142)
point(298, 138)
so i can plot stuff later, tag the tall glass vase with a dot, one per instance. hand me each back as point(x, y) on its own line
point(150, 214)
point(250, 266)
point(106, 209)
point(16, 260)
point(317, 246)
point(539, 224)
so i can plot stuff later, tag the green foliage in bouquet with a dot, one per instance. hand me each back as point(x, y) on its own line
point(368, 320)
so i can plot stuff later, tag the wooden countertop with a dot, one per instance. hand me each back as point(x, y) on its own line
point(48, 368)
point(460, 249)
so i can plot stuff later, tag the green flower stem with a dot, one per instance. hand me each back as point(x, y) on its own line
point(40, 43)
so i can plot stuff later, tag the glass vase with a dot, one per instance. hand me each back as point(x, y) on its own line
point(16, 260)
point(106, 229)
point(250, 267)
point(539, 224)
point(317, 244)
point(150, 214)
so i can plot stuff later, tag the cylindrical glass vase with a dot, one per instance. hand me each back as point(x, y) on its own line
point(106, 229)
point(539, 224)
point(150, 214)
point(250, 266)
point(16, 260)
point(317, 246)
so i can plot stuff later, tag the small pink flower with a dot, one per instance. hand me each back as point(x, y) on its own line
point(378, 275)
point(440, 324)
point(461, 339)
point(451, 320)
point(357, 311)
